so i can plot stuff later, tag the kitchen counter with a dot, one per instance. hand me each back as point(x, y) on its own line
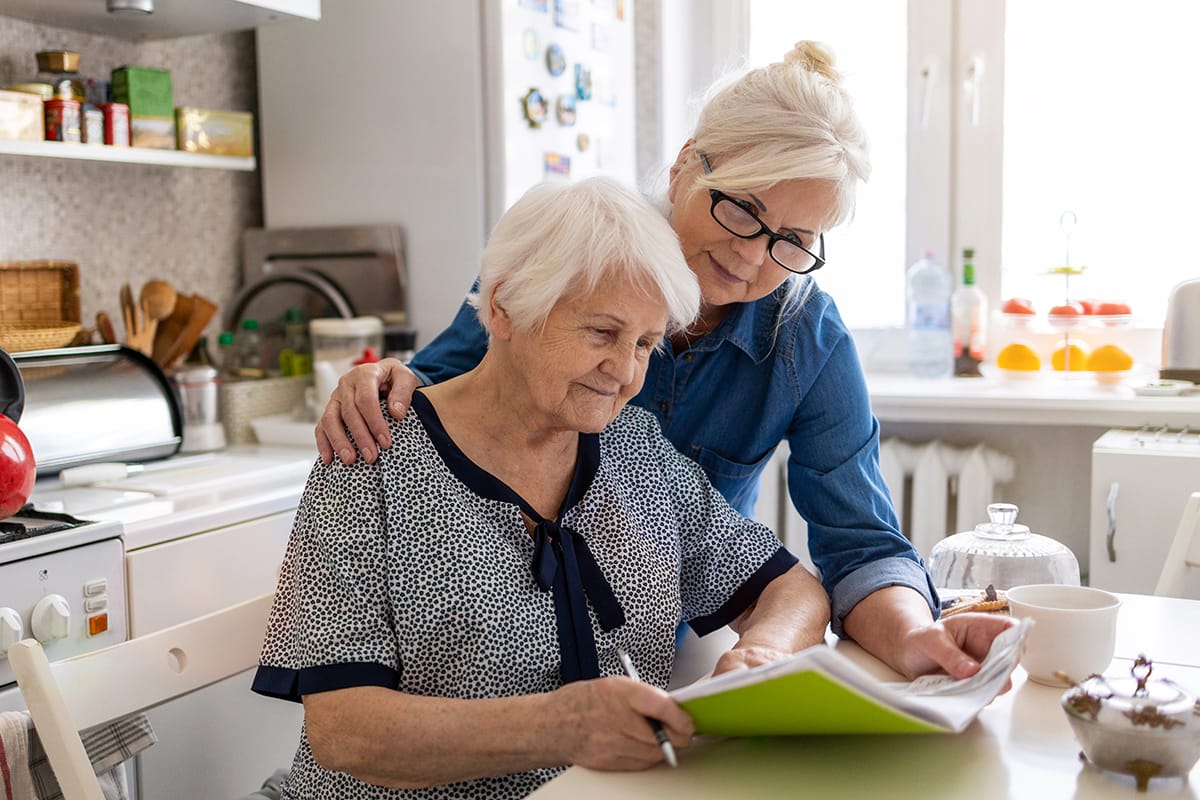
point(1040, 400)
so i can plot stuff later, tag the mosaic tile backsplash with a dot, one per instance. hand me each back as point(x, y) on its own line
point(128, 222)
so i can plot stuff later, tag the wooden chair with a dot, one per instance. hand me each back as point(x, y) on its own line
point(1183, 553)
point(67, 696)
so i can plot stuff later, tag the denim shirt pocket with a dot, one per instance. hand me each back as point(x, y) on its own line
point(737, 482)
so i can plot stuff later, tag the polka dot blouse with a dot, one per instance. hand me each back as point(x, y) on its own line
point(418, 574)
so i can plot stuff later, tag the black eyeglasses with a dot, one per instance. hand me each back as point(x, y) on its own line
point(737, 217)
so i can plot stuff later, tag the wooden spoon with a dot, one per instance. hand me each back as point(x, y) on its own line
point(157, 301)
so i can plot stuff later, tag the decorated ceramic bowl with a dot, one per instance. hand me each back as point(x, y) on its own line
point(1144, 727)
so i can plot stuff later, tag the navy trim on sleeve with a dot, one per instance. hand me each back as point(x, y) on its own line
point(746, 594)
point(293, 684)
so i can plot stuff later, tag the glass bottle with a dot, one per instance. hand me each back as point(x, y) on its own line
point(296, 356)
point(930, 351)
point(227, 348)
point(968, 315)
point(249, 347)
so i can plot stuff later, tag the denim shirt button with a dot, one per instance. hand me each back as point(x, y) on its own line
point(689, 356)
point(663, 405)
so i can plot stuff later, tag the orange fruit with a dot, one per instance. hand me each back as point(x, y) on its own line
point(1109, 358)
point(1073, 356)
point(1018, 356)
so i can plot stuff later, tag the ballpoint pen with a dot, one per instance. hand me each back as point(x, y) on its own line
point(655, 725)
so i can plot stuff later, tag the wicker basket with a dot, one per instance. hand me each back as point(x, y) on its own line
point(242, 401)
point(18, 337)
point(39, 291)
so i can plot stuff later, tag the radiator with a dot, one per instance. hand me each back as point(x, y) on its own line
point(939, 489)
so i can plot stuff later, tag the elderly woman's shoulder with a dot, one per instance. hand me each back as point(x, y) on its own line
point(634, 427)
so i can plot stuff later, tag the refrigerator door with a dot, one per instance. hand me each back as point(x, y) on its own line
point(1140, 485)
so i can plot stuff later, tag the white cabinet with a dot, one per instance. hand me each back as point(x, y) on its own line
point(171, 18)
point(1149, 481)
point(222, 741)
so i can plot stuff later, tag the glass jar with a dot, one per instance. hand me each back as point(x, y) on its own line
point(60, 69)
point(1002, 554)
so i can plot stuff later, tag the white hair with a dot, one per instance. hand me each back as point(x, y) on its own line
point(561, 239)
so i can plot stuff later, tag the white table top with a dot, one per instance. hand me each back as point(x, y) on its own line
point(1021, 746)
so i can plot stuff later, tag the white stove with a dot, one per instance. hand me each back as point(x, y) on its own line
point(62, 581)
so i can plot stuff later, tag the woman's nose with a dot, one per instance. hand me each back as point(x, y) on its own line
point(752, 251)
point(622, 365)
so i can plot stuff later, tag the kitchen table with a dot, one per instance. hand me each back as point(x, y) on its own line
point(1021, 745)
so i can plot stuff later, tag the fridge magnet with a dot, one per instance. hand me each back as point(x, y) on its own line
point(564, 109)
point(530, 43)
point(533, 106)
point(558, 164)
point(583, 142)
point(541, 6)
point(556, 60)
point(583, 82)
point(567, 14)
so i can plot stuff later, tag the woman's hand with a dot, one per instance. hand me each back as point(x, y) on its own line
point(954, 645)
point(602, 723)
point(354, 404)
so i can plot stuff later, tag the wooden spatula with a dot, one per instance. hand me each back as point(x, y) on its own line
point(202, 312)
point(170, 328)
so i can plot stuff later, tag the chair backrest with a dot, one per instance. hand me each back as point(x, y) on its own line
point(1183, 553)
point(67, 696)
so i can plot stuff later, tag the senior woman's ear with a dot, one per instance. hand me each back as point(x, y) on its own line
point(499, 323)
point(686, 153)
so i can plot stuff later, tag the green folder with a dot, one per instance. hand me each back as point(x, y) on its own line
point(821, 690)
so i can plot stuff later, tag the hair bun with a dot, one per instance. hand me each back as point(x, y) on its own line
point(814, 57)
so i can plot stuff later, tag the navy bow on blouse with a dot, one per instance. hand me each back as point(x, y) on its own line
point(563, 564)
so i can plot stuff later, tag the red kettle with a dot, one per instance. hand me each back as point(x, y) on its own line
point(18, 471)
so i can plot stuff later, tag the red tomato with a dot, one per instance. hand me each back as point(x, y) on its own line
point(1113, 308)
point(1018, 305)
point(1071, 309)
point(1089, 306)
point(17, 470)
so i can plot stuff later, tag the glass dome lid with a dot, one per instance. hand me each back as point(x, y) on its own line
point(1001, 553)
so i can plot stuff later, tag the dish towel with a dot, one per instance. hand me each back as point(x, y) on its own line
point(108, 746)
point(15, 780)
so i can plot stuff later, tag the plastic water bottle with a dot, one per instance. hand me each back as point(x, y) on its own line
point(930, 346)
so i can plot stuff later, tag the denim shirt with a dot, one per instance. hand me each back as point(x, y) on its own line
point(755, 387)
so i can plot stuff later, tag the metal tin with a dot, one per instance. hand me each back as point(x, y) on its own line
point(116, 124)
point(42, 90)
point(63, 121)
point(21, 116)
point(93, 125)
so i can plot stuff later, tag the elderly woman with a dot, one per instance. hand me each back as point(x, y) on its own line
point(451, 614)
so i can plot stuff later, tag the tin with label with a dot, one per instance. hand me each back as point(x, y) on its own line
point(63, 120)
point(116, 124)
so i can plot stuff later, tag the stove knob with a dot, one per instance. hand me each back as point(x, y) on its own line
point(11, 629)
point(50, 619)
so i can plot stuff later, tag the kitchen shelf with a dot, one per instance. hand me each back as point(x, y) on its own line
point(126, 155)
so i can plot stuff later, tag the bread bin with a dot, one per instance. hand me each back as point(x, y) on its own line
point(1181, 333)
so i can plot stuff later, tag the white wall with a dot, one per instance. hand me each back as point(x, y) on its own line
point(375, 115)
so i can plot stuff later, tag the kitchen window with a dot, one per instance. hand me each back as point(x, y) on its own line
point(999, 124)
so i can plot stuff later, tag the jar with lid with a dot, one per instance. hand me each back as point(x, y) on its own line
point(296, 357)
point(337, 344)
point(249, 347)
point(1138, 725)
point(60, 69)
point(1001, 553)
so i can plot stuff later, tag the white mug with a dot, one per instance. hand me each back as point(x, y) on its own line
point(1074, 631)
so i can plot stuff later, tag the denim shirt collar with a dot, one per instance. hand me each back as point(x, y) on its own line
point(749, 326)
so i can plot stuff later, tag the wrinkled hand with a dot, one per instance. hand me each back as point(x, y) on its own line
point(746, 657)
point(954, 645)
point(354, 405)
point(602, 723)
